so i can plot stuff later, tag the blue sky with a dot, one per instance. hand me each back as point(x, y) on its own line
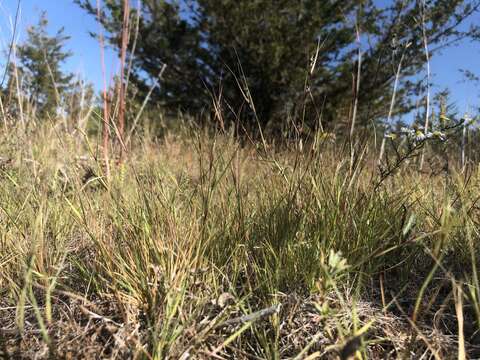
point(86, 53)
point(77, 23)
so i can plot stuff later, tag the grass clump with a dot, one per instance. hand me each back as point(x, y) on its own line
point(201, 247)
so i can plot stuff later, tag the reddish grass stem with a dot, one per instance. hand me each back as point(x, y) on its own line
point(106, 120)
point(121, 83)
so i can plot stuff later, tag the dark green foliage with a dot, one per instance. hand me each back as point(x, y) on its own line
point(39, 64)
point(213, 49)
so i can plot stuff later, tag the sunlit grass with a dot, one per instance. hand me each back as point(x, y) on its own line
point(194, 231)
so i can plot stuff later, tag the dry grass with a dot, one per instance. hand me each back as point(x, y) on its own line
point(193, 231)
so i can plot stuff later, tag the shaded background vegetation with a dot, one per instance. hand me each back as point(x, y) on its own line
point(271, 61)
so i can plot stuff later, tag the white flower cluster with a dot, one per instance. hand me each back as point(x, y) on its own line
point(419, 134)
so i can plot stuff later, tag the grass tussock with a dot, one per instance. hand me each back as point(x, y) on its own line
point(199, 247)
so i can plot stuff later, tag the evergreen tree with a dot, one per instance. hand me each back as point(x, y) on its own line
point(211, 44)
point(39, 64)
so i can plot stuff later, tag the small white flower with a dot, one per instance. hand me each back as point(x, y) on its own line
point(468, 119)
point(440, 135)
point(408, 132)
point(420, 136)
